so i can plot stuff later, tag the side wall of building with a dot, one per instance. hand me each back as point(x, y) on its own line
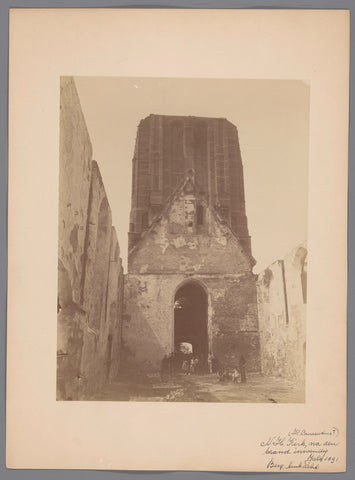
point(90, 276)
point(282, 299)
point(148, 328)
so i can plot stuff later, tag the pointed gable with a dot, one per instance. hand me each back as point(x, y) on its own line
point(189, 236)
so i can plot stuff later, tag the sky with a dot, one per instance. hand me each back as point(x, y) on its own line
point(272, 118)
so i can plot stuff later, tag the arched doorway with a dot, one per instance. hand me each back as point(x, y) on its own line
point(190, 320)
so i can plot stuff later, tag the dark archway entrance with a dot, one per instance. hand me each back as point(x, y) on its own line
point(190, 320)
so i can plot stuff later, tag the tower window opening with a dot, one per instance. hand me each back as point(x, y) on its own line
point(199, 215)
point(156, 182)
point(177, 153)
point(145, 221)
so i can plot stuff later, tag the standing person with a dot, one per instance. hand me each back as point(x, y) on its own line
point(192, 365)
point(201, 364)
point(235, 375)
point(164, 365)
point(171, 361)
point(209, 363)
point(196, 365)
point(215, 365)
point(242, 363)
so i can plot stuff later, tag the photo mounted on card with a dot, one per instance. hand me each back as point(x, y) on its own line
point(196, 313)
point(188, 237)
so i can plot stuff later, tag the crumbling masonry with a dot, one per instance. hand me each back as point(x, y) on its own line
point(190, 263)
point(189, 239)
point(90, 276)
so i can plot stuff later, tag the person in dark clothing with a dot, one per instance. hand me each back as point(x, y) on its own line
point(165, 365)
point(171, 364)
point(215, 365)
point(242, 363)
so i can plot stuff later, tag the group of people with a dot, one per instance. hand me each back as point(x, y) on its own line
point(188, 364)
point(235, 374)
point(193, 365)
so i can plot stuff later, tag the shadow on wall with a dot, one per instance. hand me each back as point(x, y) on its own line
point(282, 300)
point(69, 339)
point(148, 351)
point(90, 276)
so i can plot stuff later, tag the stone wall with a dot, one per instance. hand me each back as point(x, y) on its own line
point(90, 276)
point(166, 147)
point(232, 324)
point(282, 299)
point(177, 244)
point(179, 248)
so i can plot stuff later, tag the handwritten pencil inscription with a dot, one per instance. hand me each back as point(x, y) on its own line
point(301, 449)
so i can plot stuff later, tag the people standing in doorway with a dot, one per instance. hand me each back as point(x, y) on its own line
point(164, 366)
point(186, 367)
point(192, 365)
point(171, 363)
point(196, 365)
point(235, 375)
point(215, 364)
point(209, 363)
point(242, 363)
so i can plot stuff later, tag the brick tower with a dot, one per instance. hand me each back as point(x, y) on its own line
point(169, 146)
point(190, 274)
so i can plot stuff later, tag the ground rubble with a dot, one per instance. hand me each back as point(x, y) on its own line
point(201, 388)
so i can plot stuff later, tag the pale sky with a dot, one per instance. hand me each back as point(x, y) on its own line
point(272, 117)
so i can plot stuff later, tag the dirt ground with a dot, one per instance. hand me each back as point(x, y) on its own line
point(202, 388)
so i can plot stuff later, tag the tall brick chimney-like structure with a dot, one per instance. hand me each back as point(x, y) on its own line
point(166, 148)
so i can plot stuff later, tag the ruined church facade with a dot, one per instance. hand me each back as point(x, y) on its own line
point(190, 263)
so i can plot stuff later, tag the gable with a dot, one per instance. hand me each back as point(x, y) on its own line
point(189, 237)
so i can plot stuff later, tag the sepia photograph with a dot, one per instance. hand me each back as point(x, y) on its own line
point(182, 242)
point(177, 234)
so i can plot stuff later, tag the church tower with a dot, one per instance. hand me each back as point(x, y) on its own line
point(169, 146)
point(190, 282)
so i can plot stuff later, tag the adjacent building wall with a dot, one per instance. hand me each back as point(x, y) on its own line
point(90, 276)
point(282, 300)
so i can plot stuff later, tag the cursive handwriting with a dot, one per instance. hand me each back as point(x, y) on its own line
point(301, 449)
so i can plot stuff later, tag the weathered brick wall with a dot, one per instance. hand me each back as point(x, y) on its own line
point(102, 292)
point(166, 147)
point(173, 246)
point(75, 154)
point(177, 249)
point(90, 276)
point(148, 320)
point(234, 319)
point(282, 316)
point(148, 327)
point(114, 309)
